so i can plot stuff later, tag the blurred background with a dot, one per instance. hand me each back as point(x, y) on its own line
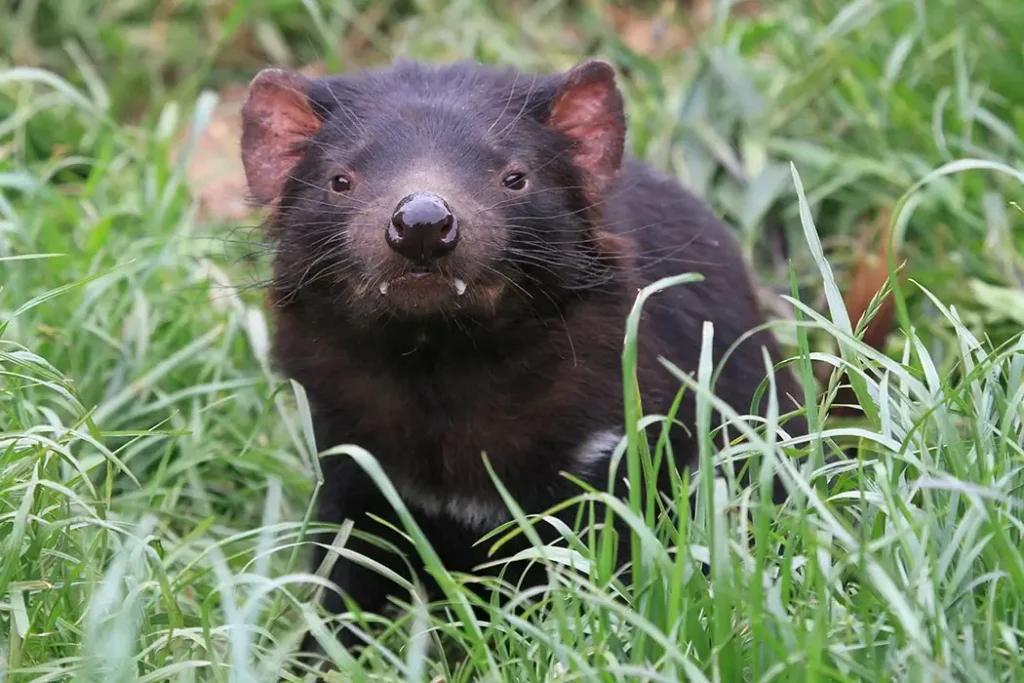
point(130, 264)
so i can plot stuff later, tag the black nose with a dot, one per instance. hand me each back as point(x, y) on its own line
point(422, 228)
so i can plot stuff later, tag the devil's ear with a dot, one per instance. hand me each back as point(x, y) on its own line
point(587, 108)
point(277, 118)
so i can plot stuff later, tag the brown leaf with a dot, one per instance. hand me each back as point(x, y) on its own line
point(870, 276)
point(215, 174)
point(647, 35)
point(672, 29)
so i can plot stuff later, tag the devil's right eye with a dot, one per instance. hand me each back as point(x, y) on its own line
point(341, 183)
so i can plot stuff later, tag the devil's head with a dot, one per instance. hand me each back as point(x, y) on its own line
point(423, 191)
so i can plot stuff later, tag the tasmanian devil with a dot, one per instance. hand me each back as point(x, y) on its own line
point(457, 248)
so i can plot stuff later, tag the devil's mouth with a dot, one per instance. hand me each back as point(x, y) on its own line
point(422, 280)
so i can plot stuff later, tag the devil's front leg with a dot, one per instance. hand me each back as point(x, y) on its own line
point(348, 493)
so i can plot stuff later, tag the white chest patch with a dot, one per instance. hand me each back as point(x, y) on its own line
point(483, 514)
point(473, 513)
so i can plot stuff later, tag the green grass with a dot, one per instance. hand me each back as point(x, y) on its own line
point(155, 475)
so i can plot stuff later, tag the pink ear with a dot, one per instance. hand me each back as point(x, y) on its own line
point(588, 109)
point(276, 120)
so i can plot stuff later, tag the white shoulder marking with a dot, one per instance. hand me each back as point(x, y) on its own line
point(596, 450)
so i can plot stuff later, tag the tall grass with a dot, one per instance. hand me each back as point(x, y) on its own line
point(155, 475)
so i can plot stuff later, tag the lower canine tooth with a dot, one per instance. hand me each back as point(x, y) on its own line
point(383, 288)
point(460, 286)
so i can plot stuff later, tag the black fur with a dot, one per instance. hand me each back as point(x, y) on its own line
point(531, 366)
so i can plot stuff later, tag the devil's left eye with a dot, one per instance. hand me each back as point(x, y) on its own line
point(514, 181)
